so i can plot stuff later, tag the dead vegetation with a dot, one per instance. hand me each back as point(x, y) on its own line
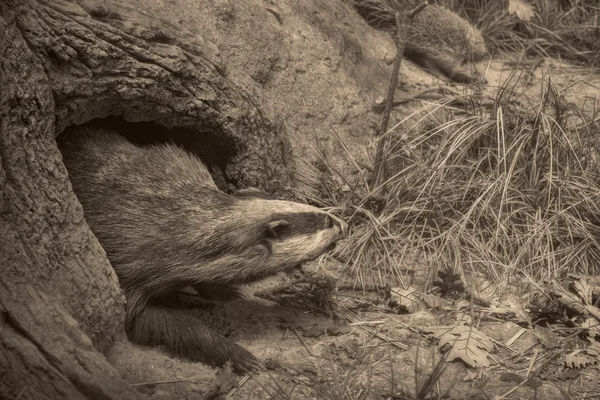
point(496, 205)
point(495, 201)
point(497, 190)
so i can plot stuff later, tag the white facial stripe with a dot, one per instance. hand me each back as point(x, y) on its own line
point(303, 246)
point(268, 207)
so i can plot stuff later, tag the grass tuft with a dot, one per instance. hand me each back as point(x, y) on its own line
point(497, 190)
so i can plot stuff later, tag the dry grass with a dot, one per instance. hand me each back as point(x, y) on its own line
point(498, 191)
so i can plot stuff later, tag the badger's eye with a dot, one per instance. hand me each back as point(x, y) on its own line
point(329, 222)
point(277, 229)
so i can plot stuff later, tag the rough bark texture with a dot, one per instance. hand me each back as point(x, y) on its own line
point(106, 58)
point(54, 272)
point(64, 63)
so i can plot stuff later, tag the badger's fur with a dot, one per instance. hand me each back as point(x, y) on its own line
point(438, 39)
point(165, 226)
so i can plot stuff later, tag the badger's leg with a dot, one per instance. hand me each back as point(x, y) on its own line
point(151, 323)
point(218, 291)
point(203, 292)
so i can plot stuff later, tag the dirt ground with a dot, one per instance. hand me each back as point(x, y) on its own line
point(379, 351)
point(306, 367)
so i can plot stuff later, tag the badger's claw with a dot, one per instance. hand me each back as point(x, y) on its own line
point(244, 361)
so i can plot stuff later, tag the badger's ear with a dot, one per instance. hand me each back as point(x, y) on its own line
point(251, 192)
point(276, 229)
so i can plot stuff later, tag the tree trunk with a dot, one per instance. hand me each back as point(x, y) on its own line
point(65, 63)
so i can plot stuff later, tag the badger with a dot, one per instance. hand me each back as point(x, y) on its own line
point(165, 227)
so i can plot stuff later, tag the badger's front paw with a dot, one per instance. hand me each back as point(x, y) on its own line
point(218, 291)
point(244, 361)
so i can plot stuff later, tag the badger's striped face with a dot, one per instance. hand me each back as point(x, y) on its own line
point(295, 232)
point(285, 233)
point(250, 237)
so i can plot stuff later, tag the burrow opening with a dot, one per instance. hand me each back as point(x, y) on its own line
point(215, 151)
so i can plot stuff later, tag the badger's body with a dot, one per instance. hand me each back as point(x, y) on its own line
point(165, 226)
point(438, 39)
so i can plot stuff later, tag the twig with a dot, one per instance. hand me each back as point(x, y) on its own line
point(240, 384)
point(515, 337)
point(303, 342)
point(403, 21)
point(513, 389)
point(349, 316)
point(532, 363)
point(363, 323)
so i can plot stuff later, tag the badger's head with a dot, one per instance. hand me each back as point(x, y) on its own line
point(255, 237)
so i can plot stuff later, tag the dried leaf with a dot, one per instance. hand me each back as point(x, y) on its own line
point(523, 10)
point(593, 349)
point(515, 305)
point(409, 298)
point(467, 343)
point(435, 302)
point(566, 299)
point(595, 311)
point(579, 359)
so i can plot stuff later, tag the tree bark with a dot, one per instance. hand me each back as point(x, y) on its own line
point(64, 63)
